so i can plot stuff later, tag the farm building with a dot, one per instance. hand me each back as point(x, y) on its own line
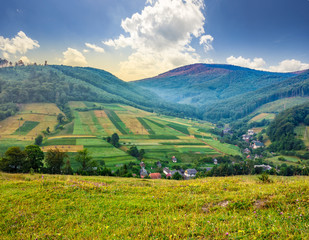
point(143, 173)
point(155, 175)
point(190, 173)
point(166, 171)
point(257, 144)
point(265, 167)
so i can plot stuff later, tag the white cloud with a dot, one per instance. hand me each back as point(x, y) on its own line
point(289, 65)
point(206, 41)
point(256, 63)
point(94, 47)
point(5, 55)
point(25, 60)
point(160, 37)
point(21, 43)
point(73, 57)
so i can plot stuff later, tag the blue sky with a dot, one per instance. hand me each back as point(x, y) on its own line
point(142, 38)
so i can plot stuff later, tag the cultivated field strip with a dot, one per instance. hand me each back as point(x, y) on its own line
point(117, 121)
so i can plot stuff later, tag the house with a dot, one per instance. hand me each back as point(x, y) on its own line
point(166, 171)
point(159, 165)
point(251, 132)
point(155, 175)
point(258, 156)
point(190, 173)
point(143, 173)
point(246, 137)
point(247, 150)
point(174, 159)
point(257, 144)
point(208, 169)
point(265, 167)
point(227, 131)
point(215, 161)
point(142, 164)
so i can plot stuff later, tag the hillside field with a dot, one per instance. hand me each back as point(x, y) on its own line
point(161, 137)
point(75, 207)
point(268, 111)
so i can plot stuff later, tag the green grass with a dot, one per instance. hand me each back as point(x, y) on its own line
point(60, 141)
point(182, 143)
point(281, 104)
point(97, 124)
point(5, 144)
point(289, 160)
point(117, 121)
point(75, 207)
point(179, 127)
point(78, 127)
point(156, 123)
point(163, 137)
point(26, 128)
point(223, 147)
point(207, 151)
point(202, 137)
point(145, 125)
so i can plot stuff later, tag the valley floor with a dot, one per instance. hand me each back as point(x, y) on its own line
point(74, 207)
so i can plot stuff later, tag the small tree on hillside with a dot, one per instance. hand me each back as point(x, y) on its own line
point(60, 118)
point(85, 160)
point(34, 157)
point(133, 151)
point(55, 160)
point(177, 176)
point(115, 140)
point(38, 140)
point(13, 160)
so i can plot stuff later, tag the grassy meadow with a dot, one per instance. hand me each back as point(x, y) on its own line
point(74, 207)
point(160, 136)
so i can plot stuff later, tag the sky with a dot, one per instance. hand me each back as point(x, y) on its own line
point(137, 39)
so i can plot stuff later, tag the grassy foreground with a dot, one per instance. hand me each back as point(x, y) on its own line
point(74, 207)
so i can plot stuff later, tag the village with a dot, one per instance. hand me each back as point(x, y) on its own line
point(191, 173)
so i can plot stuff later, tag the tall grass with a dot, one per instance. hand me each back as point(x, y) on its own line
point(74, 207)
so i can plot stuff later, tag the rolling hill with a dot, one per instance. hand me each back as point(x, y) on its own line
point(160, 136)
point(60, 84)
point(225, 92)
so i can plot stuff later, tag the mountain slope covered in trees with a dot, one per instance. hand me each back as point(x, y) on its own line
point(225, 92)
point(60, 84)
point(281, 131)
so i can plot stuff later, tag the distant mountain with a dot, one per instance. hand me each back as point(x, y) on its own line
point(205, 84)
point(223, 91)
point(60, 84)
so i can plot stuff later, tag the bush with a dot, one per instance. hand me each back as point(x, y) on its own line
point(264, 178)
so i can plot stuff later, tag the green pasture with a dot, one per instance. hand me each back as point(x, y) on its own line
point(26, 128)
point(76, 207)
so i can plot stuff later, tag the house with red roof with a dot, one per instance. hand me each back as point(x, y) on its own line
point(155, 175)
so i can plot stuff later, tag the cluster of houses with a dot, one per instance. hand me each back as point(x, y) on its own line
point(186, 174)
point(254, 144)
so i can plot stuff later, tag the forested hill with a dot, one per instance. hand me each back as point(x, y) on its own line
point(281, 131)
point(60, 84)
point(240, 106)
point(205, 84)
point(225, 92)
